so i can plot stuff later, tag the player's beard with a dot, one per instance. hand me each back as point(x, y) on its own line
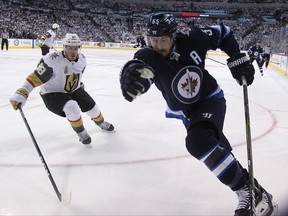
point(163, 52)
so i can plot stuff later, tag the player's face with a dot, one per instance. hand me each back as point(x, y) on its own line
point(162, 45)
point(72, 52)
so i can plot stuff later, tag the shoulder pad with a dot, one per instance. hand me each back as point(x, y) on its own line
point(185, 31)
point(191, 32)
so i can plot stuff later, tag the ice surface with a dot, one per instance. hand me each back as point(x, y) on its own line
point(143, 167)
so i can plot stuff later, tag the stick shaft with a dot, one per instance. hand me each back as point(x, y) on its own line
point(216, 61)
point(40, 155)
point(249, 148)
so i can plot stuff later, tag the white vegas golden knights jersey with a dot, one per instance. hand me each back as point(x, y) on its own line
point(49, 38)
point(55, 73)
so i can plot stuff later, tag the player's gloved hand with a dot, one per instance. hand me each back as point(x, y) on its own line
point(19, 98)
point(134, 79)
point(240, 66)
point(41, 41)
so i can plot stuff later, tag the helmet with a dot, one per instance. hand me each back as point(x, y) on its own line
point(71, 46)
point(71, 40)
point(55, 26)
point(161, 24)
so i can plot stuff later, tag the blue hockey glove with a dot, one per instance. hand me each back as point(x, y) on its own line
point(134, 79)
point(240, 66)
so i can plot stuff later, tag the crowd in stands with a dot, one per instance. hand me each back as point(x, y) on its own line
point(124, 21)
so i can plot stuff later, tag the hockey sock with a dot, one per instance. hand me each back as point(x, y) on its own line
point(225, 167)
point(72, 112)
point(77, 125)
point(99, 119)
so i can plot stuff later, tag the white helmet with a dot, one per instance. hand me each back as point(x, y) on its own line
point(71, 40)
point(55, 26)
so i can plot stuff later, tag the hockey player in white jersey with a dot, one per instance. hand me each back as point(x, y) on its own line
point(47, 39)
point(59, 74)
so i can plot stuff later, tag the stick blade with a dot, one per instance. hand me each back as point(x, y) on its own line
point(66, 198)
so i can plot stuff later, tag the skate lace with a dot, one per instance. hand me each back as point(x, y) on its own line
point(243, 196)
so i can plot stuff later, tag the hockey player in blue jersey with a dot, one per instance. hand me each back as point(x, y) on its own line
point(174, 62)
point(255, 52)
point(140, 42)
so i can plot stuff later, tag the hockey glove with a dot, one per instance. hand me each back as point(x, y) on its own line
point(240, 66)
point(41, 41)
point(134, 79)
point(19, 98)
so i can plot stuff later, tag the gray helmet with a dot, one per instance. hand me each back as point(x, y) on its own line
point(161, 24)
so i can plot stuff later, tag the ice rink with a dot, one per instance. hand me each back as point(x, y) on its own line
point(143, 167)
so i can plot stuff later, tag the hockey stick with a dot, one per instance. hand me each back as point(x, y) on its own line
point(216, 61)
point(249, 149)
point(59, 195)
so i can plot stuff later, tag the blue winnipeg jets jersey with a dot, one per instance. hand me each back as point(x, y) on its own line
point(181, 77)
point(255, 52)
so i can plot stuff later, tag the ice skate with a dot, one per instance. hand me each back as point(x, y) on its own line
point(106, 126)
point(84, 137)
point(264, 204)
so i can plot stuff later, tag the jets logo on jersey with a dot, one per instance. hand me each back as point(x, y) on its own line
point(72, 82)
point(186, 84)
point(256, 53)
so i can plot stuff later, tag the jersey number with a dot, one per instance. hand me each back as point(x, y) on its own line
point(41, 69)
point(207, 31)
